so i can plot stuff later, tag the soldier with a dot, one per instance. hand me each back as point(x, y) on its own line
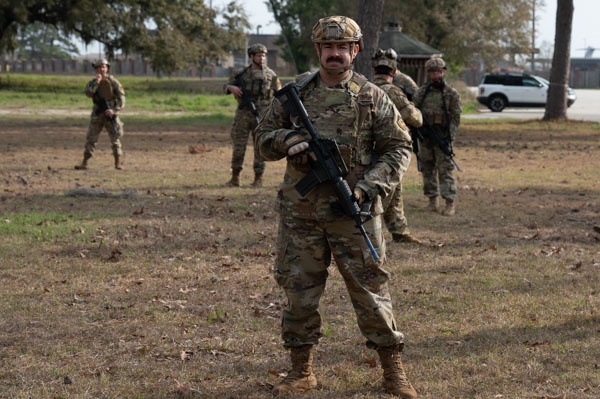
point(385, 66)
point(375, 145)
point(109, 98)
point(440, 105)
point(253, 87)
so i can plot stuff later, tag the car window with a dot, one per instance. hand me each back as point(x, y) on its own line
point(529, 81)
point(513, 80)
point(491, 80)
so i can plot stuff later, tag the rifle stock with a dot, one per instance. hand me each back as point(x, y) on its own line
point(327, 165)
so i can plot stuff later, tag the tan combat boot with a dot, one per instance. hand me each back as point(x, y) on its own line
point(395, 381)
point(118, 162)
point(450, 209)
point(433, 204)
point(84, 164)
point(258, 182)
point(406, 238)
point(301, 377)
point(235, 178)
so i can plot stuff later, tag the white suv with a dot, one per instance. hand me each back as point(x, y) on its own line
point(500, 90)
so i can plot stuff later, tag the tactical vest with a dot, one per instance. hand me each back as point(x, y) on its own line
point(345, 115)
point(258, 82)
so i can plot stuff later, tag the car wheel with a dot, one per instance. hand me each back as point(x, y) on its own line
point(497, 103)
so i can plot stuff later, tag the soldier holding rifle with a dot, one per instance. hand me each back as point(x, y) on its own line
point(253, 87)
point(440, 106)
point(356, 124)
point(109, 98)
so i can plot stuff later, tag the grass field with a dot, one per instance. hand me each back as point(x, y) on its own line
point(155, 281)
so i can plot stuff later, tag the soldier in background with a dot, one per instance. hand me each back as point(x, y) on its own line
point(109, 98)
point(253, 87)
point(385, 66)
point(376, 146)
point(440, 105)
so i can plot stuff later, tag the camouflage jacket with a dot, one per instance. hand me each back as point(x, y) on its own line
point(410, 114)
point(260, 84)
point(373, 140)
point(407, 84)
point(109, 89)
point(430, 100)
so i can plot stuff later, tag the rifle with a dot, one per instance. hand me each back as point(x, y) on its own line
point(247, 100)
point(326, 166)
point(416, 137)
point(439, 137)
point(103, 106)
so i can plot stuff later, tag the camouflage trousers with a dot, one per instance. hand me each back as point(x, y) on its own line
point(393, 214)
point(243, 125)
point(99, 122)
point(438, 172)
point(304, 252)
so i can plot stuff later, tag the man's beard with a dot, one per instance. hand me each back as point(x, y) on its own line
point(438, 83)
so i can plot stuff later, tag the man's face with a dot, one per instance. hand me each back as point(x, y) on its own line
point(102, 70)
point(259, 58)
point(436, 75)
point(337, 57)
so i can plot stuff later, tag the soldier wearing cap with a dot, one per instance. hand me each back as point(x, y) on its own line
point(109, 98)
point(375, 145)
point(440, 105)
point(385, 67)
point(253, 87)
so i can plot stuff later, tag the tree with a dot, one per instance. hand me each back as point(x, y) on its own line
point(43, 41)
point(463, 29)
point(170, 33)
point(369, 20)
point(556, 106)
point(296, 19)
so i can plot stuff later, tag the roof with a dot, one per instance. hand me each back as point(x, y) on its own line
point(406, 46)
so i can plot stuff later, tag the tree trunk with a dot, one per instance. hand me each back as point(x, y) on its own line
point(369, 20)
point(556, 106)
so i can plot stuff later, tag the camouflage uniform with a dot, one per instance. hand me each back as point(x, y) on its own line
point(394, 217)
point(112, 91)
point(259, 84)
point(376, 147)
point(406, 83)
point(437, 167)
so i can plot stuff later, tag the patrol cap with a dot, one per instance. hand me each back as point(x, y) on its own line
point(257, 48)
point(337, 29)
point(385, 58)
point(100, 61)
point(435, 64)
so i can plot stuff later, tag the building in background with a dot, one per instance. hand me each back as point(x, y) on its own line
point(412, 54)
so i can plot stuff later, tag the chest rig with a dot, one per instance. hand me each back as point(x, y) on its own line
point(342, 113)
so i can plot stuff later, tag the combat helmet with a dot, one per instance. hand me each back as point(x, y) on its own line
point(257, 48)
point(386, 58)
point(100, 62)
point(435, 64)
point(337, 29)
